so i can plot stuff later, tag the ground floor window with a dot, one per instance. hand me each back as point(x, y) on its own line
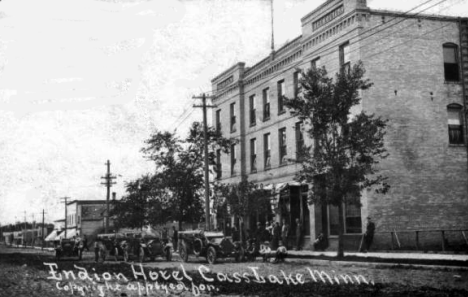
point(352, 219)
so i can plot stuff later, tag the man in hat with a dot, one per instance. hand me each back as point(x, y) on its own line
point(369, 235)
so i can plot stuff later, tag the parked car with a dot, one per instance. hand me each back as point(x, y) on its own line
point(212, 245)
point(67, 248)
point(136, 245)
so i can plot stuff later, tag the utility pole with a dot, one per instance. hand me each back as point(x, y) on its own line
point(24, 231)
point(65, 200)
point(42, 233)
point(108, 183)
point(207, 181)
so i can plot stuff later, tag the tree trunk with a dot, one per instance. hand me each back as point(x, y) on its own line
point(240, 229)
point(340, 231)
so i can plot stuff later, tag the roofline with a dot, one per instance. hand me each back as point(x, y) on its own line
point(88, 201)
point(315, 10)
point(238, 64)
point(416, 15)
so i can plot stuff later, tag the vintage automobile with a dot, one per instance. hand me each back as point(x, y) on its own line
point(136, 245)
point(212, 245)
point(68, 248)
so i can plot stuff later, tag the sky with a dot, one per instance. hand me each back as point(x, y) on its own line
point(86, 81)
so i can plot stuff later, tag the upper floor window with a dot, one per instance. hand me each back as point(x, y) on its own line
point(282, 145)
point(315, 63)
point(218, 120)
point(233, 159)
point(455, 126)
point(299, 140)
point(253, 110)
point(233, 117)
point(451, 68)
point(345, 63)
point(219, 168)
point(281, 93)
point(253, 155)
point(296, 83)
point(267, 151)
point(266, 104)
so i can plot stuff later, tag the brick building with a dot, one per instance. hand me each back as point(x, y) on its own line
point(85, 217)
point(419, 67)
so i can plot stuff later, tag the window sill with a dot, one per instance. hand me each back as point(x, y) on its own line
point(452, 82)
point(266, 119)
point(281, 112)
point(283, 164)
point(456, 145)
point(233, 131)
point(267, 168)
point(253, 124)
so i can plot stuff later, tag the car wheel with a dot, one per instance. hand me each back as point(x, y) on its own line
point(168, 255)
point(197, 247)
point(183, 252)
point(211, 255)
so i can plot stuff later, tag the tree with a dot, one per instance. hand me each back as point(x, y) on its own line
point(347, 147)
point(141, 206)
point(244, 198)
point(179, 170)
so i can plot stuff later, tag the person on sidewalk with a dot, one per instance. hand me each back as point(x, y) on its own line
point(369, 235)
point(96, 249)
point(175, 238)
point(284, 233)
point(276, 236)
point(320, 243)
point(85, 243)
point(298, 234)
point(281, 253)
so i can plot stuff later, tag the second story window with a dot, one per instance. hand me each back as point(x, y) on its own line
point(299, 140)
point(315, 63)
point(218, 120)
point(233, 159)
point(267, 151)
point(233, 117)
point(345, 64)
point(455, 126)
point(219, 168)
point(280, 96)
point(253, 110)
point(253, 155)
point(296, 83)
point(266, 104)
point(282, 146)
point(451, 68)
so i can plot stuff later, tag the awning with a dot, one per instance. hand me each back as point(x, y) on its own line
point(70, 234)
point(51, 236)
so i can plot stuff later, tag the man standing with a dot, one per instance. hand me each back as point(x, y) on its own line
point(369, 235)
point(298, 234)
point(284, 233)
point(276, 236)
point(175, 237)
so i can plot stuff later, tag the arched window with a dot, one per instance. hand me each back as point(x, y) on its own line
point(451, 67)
point(455, 126)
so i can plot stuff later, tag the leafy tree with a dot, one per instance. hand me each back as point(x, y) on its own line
point(174, 192)
point(342, 162)
point(244, 198)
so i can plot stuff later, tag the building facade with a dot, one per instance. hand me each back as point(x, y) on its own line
point(419, 67)
point(85, 217)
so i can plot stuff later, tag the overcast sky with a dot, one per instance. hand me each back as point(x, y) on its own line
point(86, 81)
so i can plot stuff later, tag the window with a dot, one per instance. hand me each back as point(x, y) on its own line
point(218, 120)
point(455, 127)
point(451, 68)
point(353, 223)
point(267, 149)
point(296, 83)
point(219, 168)
point(253, 155)
point(282, 145)
point(299, 140)
point(280, 96)
point(315, 63)
point(233, 117)
point(266, 105)
point(253, 119)
point(233, 159)
point(345, 64)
